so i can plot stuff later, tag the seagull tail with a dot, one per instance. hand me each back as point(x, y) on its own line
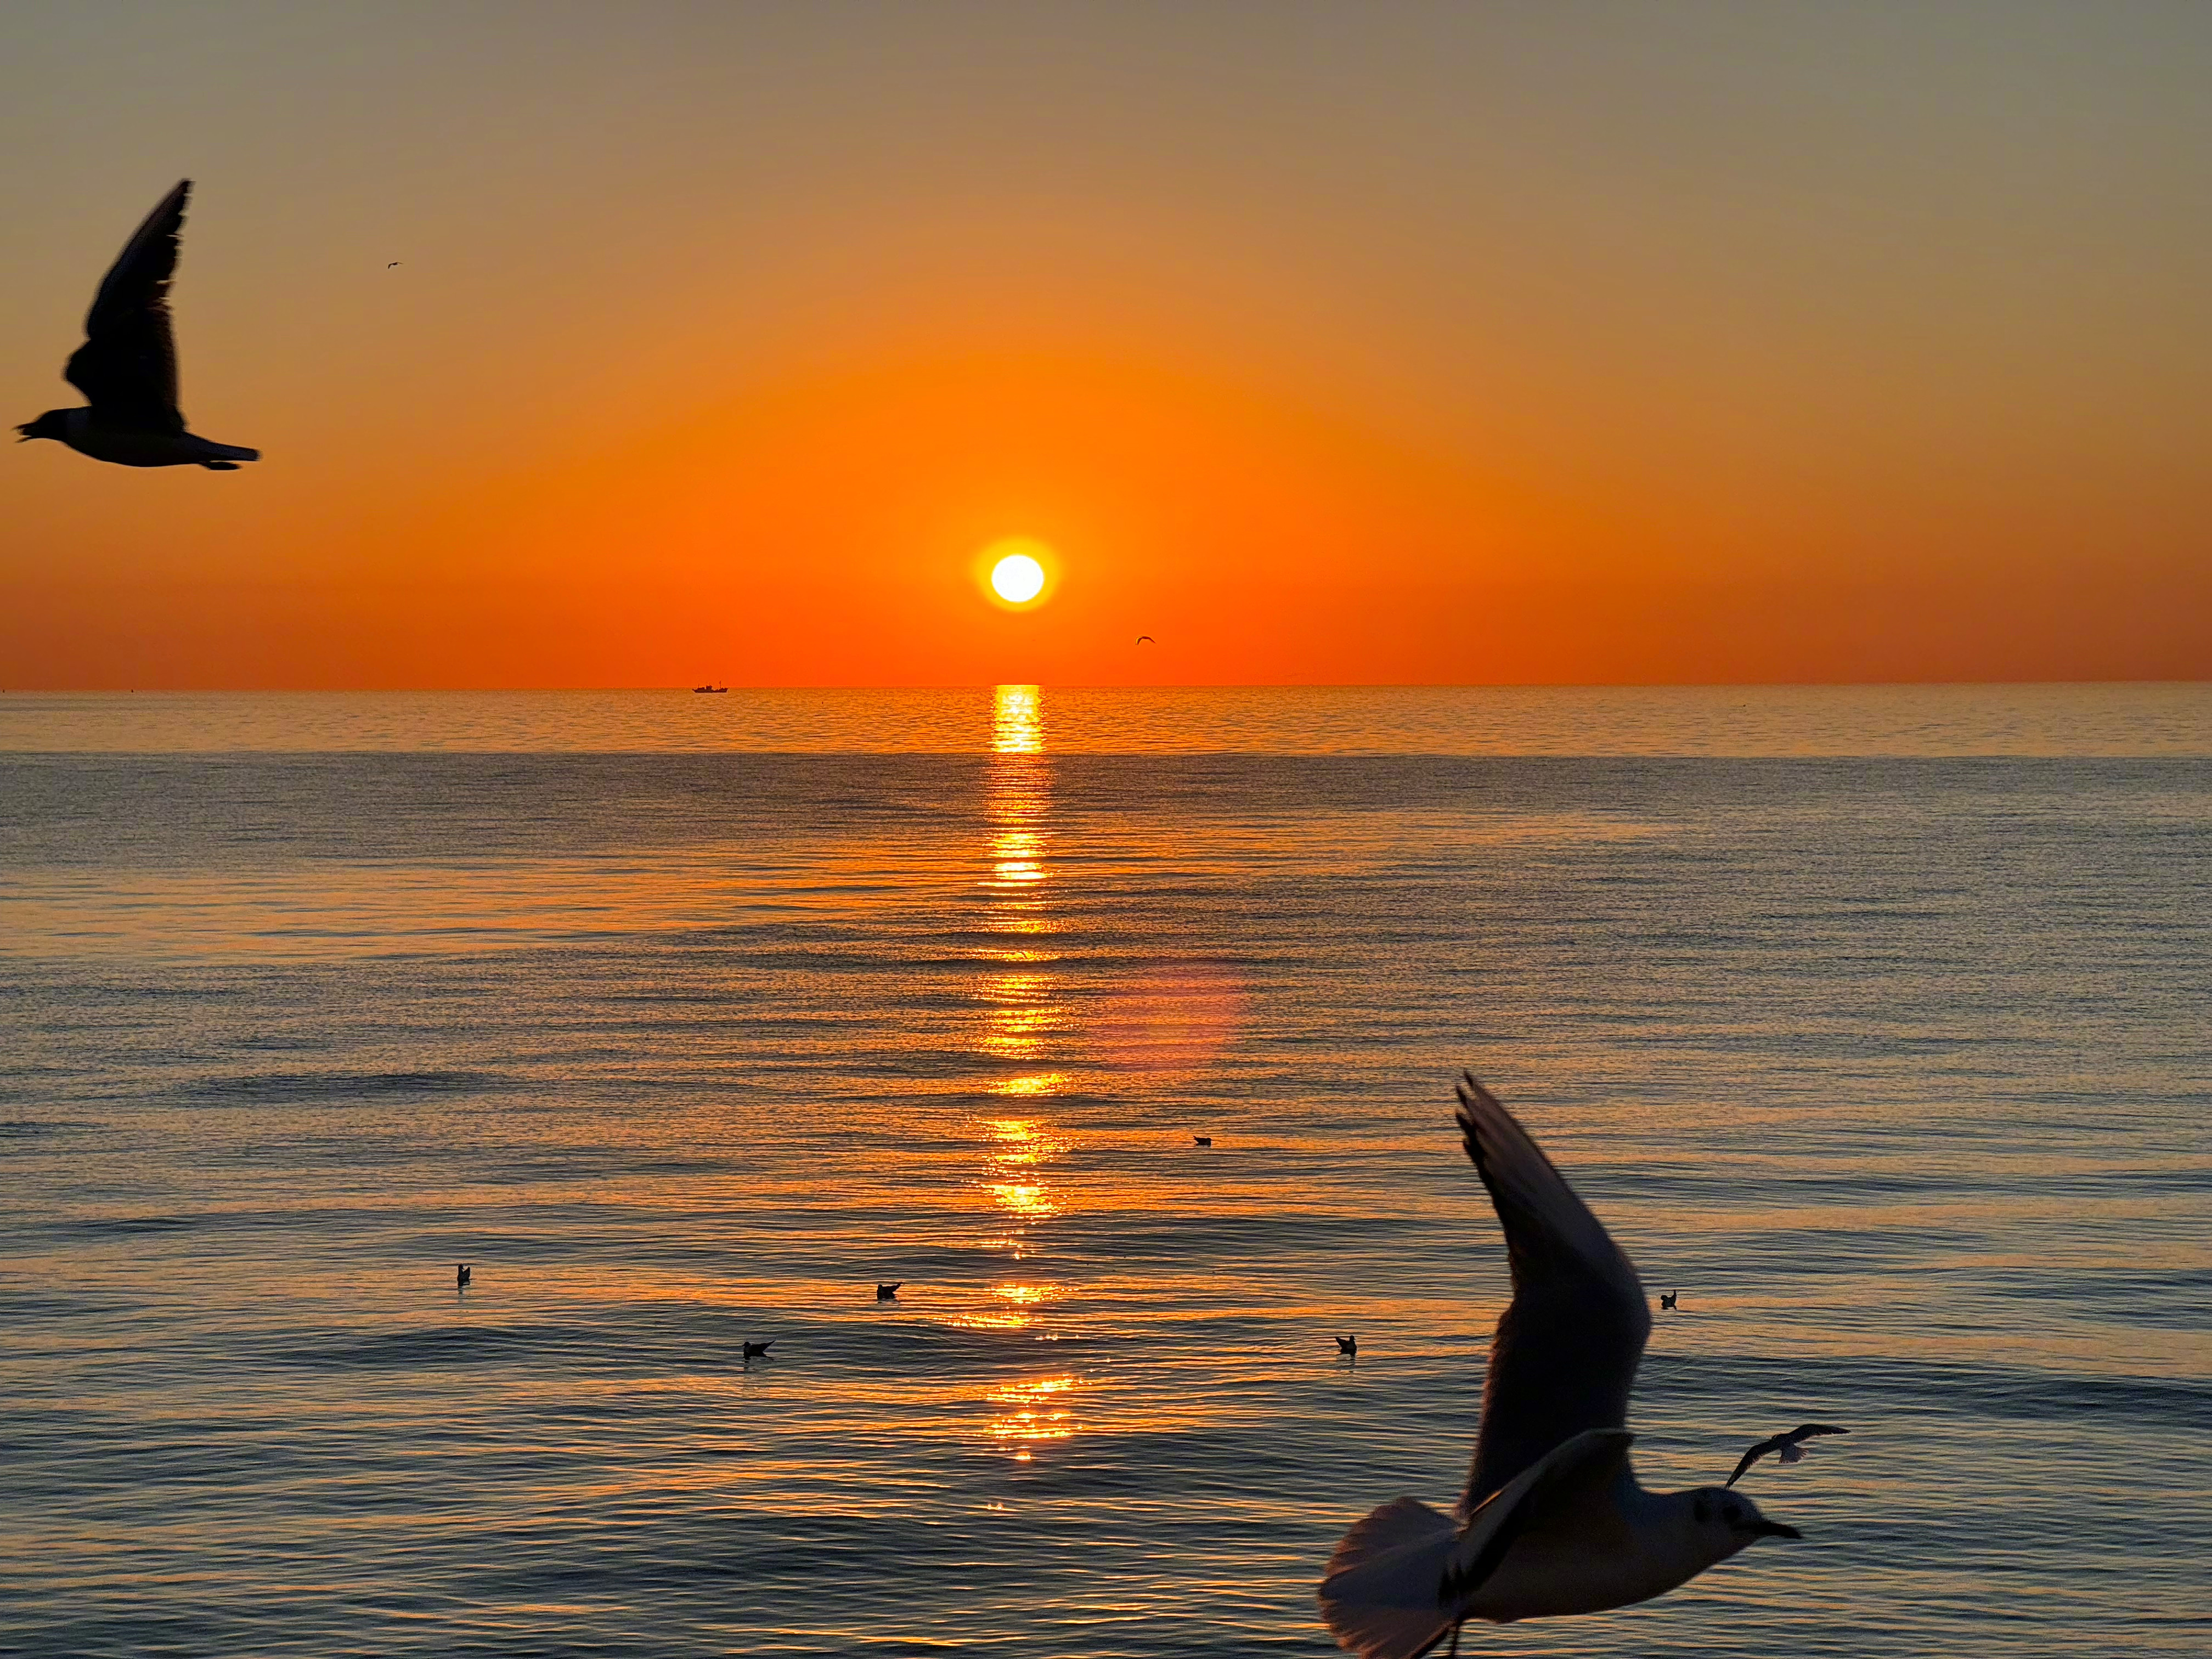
point(1379, 1598)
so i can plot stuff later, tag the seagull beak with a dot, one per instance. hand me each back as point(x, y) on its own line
point(1775, 1529)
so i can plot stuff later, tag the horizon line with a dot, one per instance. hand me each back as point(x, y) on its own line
point(1077, 685)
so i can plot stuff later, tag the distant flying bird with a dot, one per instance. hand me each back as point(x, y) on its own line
point(1348, 1345)
point(888, 1292)
point(1666, 1301)
point(759, 1349)
point(1553, 1521)
point(1201, 1140)
point(1146, 639)
point(1784, 1446)
point(127, 366)
point(461, 1278)
point(394, 266)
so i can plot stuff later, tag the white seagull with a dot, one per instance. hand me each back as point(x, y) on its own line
point(127, 366)
point(1552, 1521)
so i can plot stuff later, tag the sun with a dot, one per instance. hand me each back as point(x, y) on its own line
point(1018, 570)
point(1018, 578)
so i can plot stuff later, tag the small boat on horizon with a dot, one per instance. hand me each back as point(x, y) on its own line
point(710, 687)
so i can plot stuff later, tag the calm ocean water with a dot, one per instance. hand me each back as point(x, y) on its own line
point(1875, 1020)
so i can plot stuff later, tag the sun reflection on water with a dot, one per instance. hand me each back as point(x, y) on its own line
point(1017, 720)
point(1023, 1016)
point(1033, 1412)
point(1036, 1083)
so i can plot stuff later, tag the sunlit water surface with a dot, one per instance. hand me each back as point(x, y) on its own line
point(1873, 1021)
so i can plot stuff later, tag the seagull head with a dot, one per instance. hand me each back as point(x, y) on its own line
point(54, 424)
point(1726, 1521)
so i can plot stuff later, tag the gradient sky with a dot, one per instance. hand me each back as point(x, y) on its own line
point(1360, 341)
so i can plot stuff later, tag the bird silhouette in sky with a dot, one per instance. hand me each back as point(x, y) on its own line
point(127, 366)
point(1146, 639)
point(394, 266)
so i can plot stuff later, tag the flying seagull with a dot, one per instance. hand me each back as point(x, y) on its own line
point(888, 1292)
point(394, 266)
point(1667, 1300)
point(1146, 639)
point(1553, 1520)
point(1348, 1346)
point(127, 366)
point(759, 1349)
point(1785, 1445)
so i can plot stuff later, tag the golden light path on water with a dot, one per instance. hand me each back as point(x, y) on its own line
point(1022, 1013)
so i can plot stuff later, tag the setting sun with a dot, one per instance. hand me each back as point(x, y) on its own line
point(1018, 578)
point(1019, 569)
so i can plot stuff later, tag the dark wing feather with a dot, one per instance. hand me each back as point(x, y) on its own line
point(127, 366)
point(1751, 1457)
point(1565, 1353)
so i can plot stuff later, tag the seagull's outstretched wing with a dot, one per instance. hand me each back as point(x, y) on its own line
point(1751, 1457)
point(127, 366)
point(1565, 1353)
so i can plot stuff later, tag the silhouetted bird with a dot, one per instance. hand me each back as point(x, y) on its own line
point(461, 1278)
point(1146, 639)
point(888, 1292)
point(1552, 1521)
point(759, 1349)
point(1666, 1301)
point(1348, 1346)
point(1201, 1140)
point(1785, 1446)
point(394, 266)
point(127, 366)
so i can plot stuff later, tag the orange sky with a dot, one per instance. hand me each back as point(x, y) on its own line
point(1325, 343)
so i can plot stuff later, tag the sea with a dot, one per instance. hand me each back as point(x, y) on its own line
point(1875, 1022)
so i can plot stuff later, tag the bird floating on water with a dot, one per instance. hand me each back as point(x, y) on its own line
point(461, 1276)
point(760, 1350)
point(1552, 1521)
point(127, 366)
point(888, 1292)
point(1201, 1140)
point(1348, 1346)
point(1666, 1299)
point(1787, 1447)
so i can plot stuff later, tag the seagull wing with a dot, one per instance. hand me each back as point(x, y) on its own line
point(1806, 1431)
point(127, 366)
point(1568, 1485)
point(1567, 1346)
point(1752, 1457)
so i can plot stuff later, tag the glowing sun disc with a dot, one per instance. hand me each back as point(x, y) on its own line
point(1017, 579)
